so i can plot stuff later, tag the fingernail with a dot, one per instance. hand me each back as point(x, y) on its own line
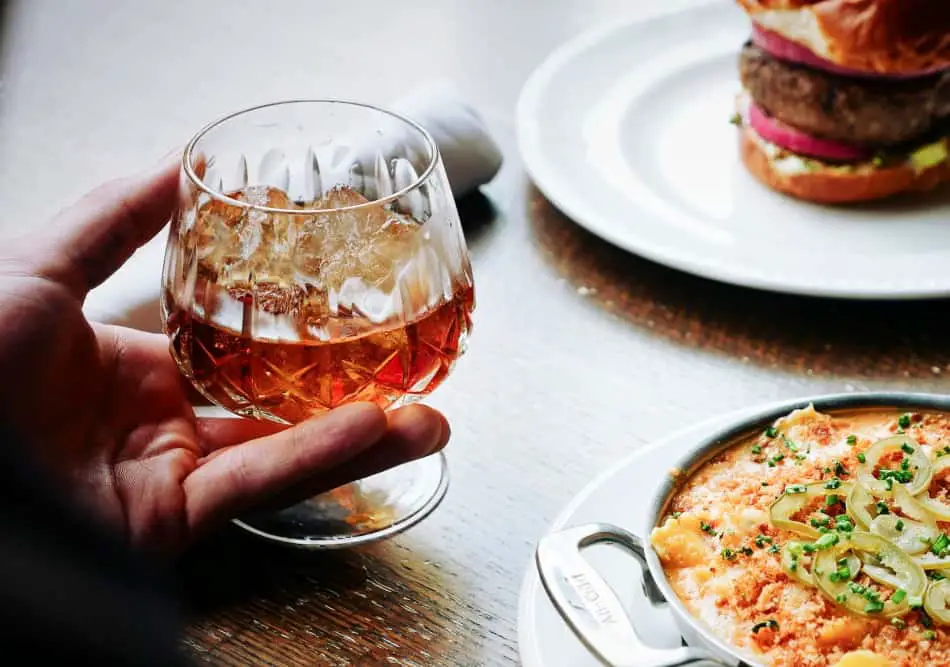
point(445, 435)
point(425, 428)
point(437, 432)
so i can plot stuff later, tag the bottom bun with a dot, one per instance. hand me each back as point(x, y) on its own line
point(818, 182)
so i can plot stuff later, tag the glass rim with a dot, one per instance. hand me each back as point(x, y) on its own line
point(187, 155)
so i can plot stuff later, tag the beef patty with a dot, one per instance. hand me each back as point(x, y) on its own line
point(857, 111)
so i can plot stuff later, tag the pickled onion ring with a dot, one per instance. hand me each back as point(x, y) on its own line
point(798, 142)
point(785, 49)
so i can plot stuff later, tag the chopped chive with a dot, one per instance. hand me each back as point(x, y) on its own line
point(826, 541)
point(862, 458)
point(756, 449)
point(728, 554)
point(899, 525)
point(874, 607)
point(904, 475)
point(930, 635)
point(843, 573)
point(907, 448)
point(706, 528)
point(904, 421)
point(795, 489)
point(898, 623)
point(762, 540)
point(770, 432)
point(882, 508)
point(898, 596)
point(941, 545)
point(832, 499)
point(852, 440)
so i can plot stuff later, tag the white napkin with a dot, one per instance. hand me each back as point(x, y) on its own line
point(471, 156)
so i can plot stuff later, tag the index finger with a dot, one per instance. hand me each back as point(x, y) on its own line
point(235, 478)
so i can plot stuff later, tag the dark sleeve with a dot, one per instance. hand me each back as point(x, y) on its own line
point(70, 592)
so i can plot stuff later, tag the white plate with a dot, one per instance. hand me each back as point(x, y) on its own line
point(621, 496)
point(627, 131)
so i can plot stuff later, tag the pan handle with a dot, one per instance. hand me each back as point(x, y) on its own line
point(591, 609)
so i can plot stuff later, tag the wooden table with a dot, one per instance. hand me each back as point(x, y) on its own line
point(581, 353)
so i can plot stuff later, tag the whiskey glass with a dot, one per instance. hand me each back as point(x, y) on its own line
point(316, 258)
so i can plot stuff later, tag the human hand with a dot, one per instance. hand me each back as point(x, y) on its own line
point(106, 409)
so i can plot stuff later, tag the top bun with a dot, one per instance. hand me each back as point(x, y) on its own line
point(876, 36)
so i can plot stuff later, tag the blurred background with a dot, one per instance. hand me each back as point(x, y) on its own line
point(94, 89)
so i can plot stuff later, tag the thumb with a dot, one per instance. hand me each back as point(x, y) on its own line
point(87, 242)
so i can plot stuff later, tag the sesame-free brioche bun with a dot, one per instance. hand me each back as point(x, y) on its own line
point(889, 37)
point(832, 185)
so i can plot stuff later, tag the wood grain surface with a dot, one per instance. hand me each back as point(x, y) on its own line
point(580, 353)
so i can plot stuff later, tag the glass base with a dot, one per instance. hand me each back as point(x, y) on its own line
point(364, 511)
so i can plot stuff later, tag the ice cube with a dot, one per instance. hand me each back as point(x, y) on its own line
point(309, 252)
point(217, 233)
point(298, 265)
point(268, 232)
point(370, 242)
point(247, 240)
point(265, 195)
point(278, 298)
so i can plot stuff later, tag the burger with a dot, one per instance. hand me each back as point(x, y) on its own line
point(846, 100)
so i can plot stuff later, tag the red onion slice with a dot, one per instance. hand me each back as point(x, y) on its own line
point(789, 138)
point(785, 49)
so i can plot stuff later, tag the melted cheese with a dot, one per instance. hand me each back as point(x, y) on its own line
point(863, 659)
